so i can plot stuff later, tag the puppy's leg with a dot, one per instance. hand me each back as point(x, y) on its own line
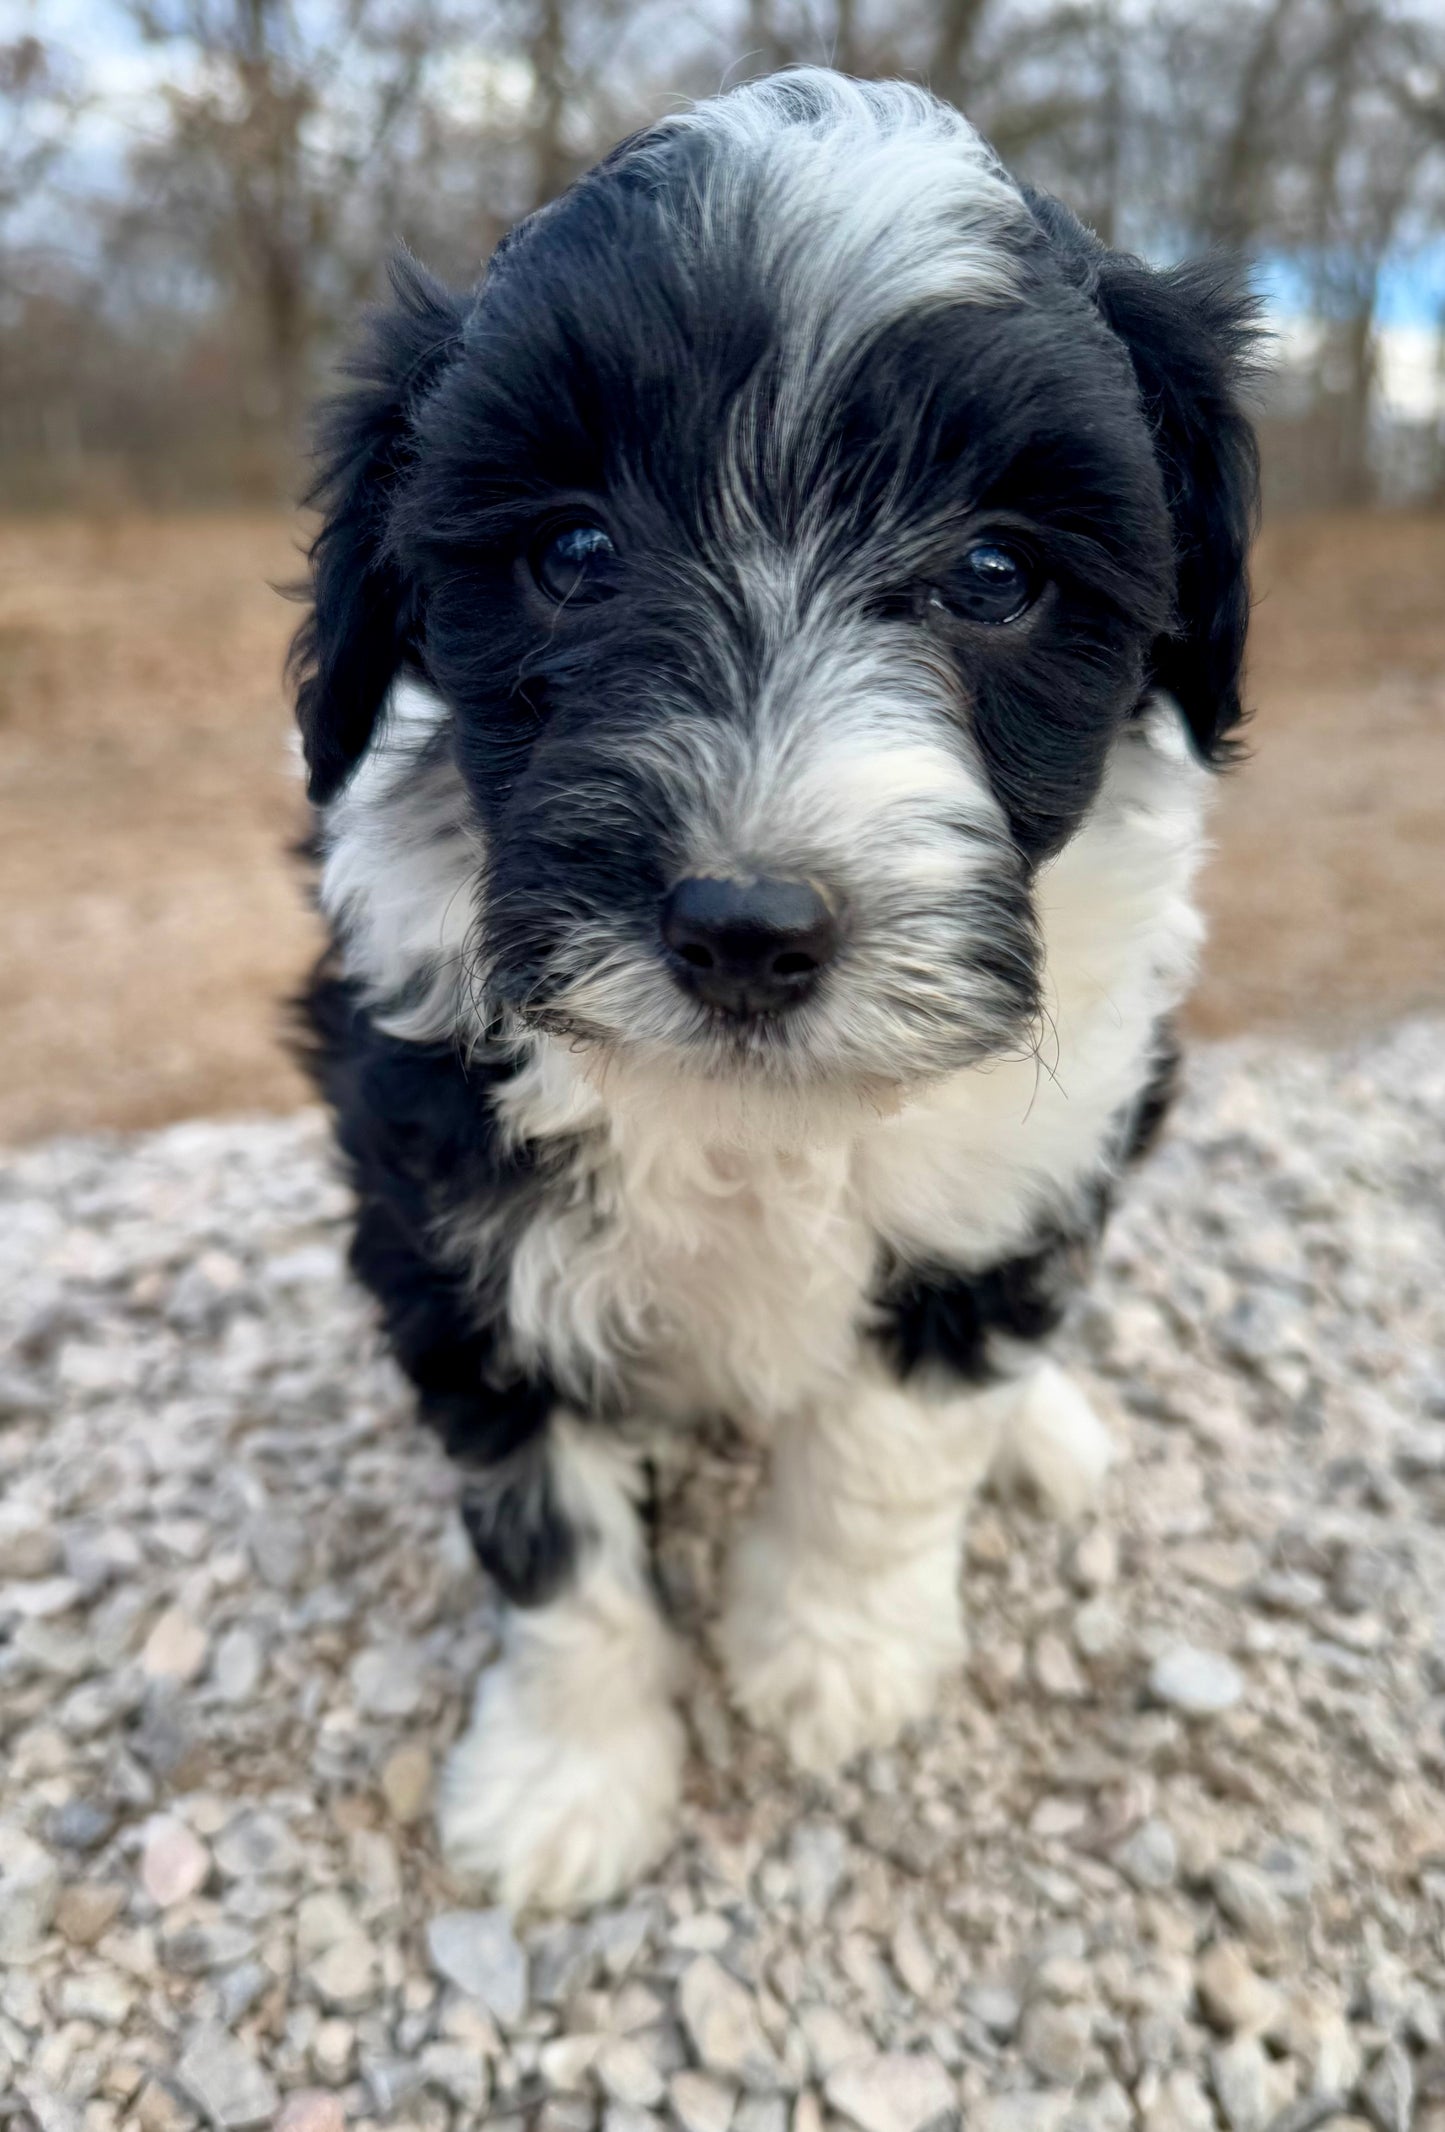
point(843, 1607)
point(565, 1786)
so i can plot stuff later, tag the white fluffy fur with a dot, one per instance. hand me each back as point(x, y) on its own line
point(565, 1786)
point(843, 1607)
point(1051, 1443)
point(401, 865)
point(849, 233)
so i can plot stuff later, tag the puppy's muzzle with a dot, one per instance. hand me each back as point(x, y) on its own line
point(748, 947)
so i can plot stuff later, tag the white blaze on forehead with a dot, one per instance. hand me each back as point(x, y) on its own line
point(863, 201)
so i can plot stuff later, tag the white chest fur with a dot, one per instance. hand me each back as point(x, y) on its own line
point(710, 1251)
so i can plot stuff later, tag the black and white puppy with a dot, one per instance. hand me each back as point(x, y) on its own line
point(769, 644)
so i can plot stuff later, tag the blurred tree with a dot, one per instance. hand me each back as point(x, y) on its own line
point(293, 143)
point(274, 116)
point(40, 102)
point(33, 94)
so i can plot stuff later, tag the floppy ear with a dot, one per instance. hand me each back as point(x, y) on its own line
point(1191, 332)
point(362, 621)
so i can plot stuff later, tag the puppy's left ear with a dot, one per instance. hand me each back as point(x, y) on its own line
point(362, 621)
point(1191, 333)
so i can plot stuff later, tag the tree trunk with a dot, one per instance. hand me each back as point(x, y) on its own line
point(551, 165)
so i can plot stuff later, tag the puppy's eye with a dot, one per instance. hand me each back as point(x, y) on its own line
point(576, 563)
point(990, 583)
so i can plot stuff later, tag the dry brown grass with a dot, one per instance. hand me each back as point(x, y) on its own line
point(153, 921)
point(1327, 893)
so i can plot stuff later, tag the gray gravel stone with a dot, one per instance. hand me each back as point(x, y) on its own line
point(175, 1650)
point(237, 1664)
point(85, 1824)
point(831, 2039)
point(175, 1864)
point(344, 1975)
point(1149, 1856)
point(896, 2091)
point(86, 1909)
point(817, 1858)
point(389, 1680)
point(224, 2079)
point(160, 2108)
point(626, 2074)
point(460, 2071)
point(762, 2113)
point(1055, 2041)
point(1250, 1901)
point(29, 1544)
point(1098, 1629)
point(1180, 2105)
point(1313, 2031)
point(333, 2051)
point(478, 1951)
point(1241, 2086)
point(205, 1944)
point(1013, 2111)
point(257, 1843)
point(1231, 1994)
point(29, 1889)
point(559, 2113)
point(309, 2110)
point(97, 1995)
point(623, 2117)
point(701, 2103)
point(1387, 2092)
point(406, 1783)
point(722, 2025)
point(1056, 1670)
point(567, 2061)
point(1094, 1560)
point(998, 2008)
point(1199, 1682)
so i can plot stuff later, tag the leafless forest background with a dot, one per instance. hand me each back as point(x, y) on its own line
point(162, 330)
point(196, 196)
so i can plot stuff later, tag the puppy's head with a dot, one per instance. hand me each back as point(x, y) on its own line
point(788, 525)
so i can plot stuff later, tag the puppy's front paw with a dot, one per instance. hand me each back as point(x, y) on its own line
point(833, 1664)
point(556, 1818)
point(1054, 1444)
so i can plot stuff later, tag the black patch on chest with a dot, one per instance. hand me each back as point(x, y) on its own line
point(935, 1315)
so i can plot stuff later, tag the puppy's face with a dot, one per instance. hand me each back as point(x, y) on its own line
point(786, 531)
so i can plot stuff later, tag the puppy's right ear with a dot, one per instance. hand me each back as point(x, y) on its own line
point(362, 621)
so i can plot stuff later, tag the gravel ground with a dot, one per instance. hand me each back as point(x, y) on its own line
point(1172, 1853)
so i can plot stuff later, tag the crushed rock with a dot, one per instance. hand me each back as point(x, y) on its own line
point(1170, 1855)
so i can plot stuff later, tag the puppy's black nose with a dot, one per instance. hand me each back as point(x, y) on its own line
point(748, 947)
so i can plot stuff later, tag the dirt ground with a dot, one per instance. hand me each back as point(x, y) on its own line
point(153, 919)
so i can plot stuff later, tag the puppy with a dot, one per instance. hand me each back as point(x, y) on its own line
point(769, 646)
